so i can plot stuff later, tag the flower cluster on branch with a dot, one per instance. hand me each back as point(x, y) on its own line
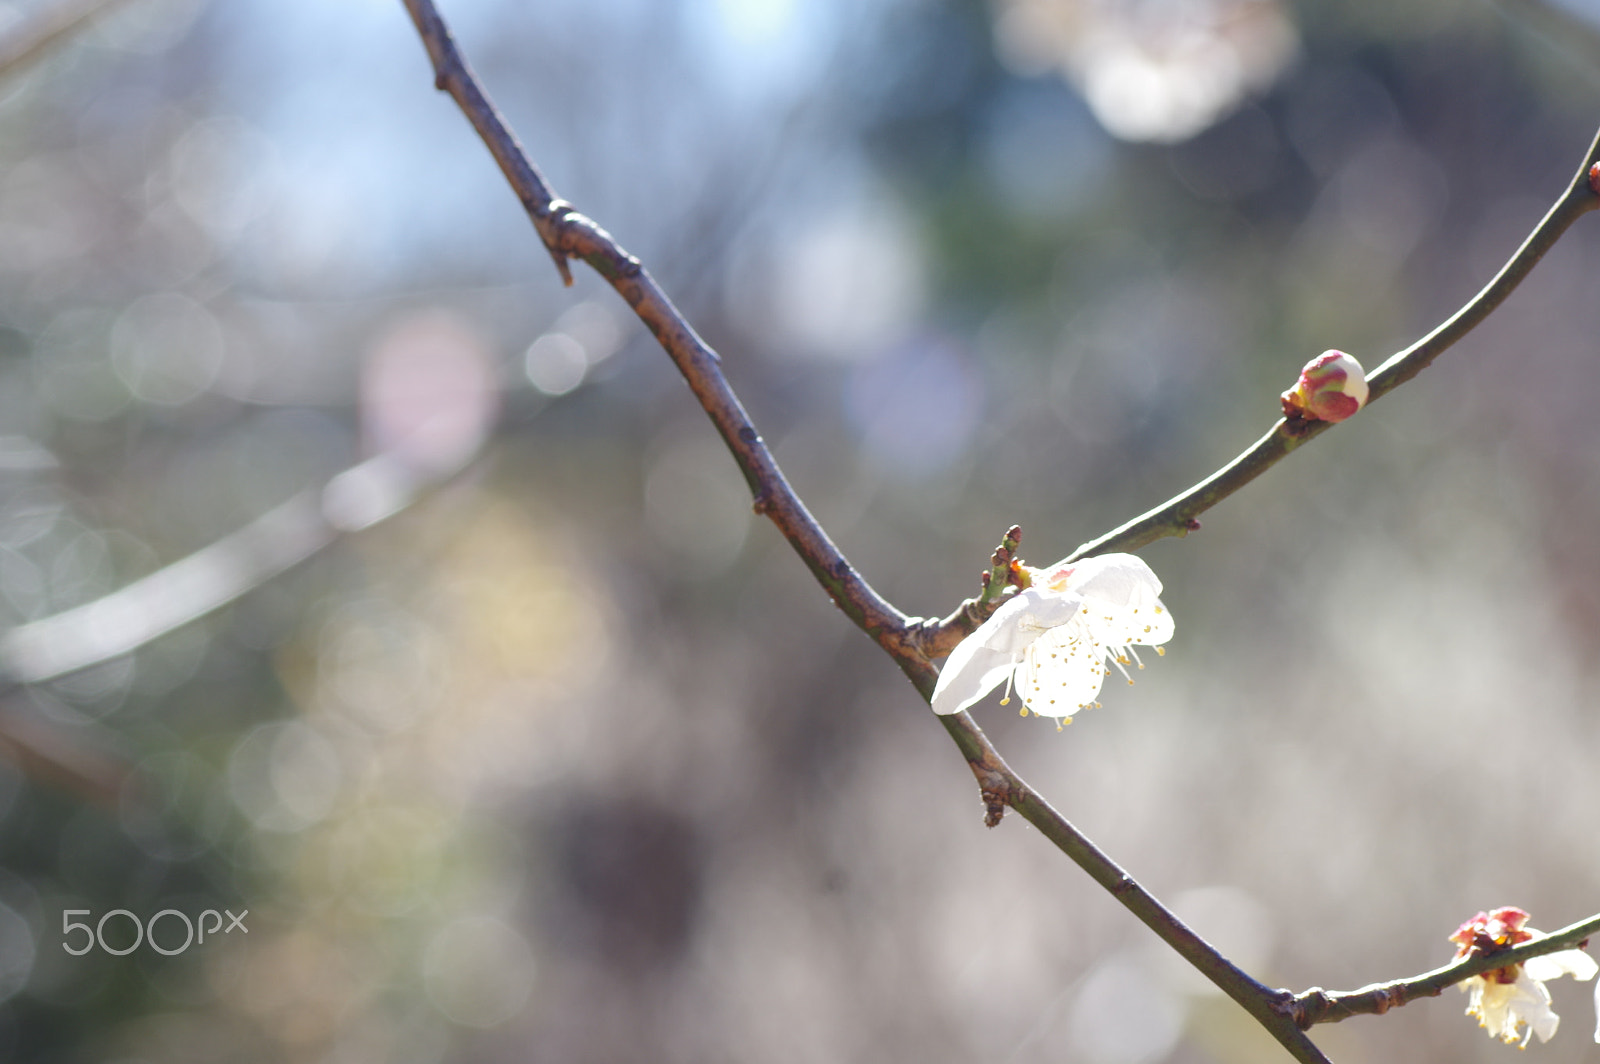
point(1505, 1000)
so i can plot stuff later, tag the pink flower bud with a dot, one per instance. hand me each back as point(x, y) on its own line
point(1331, 387)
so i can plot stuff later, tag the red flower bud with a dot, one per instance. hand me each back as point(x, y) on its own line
point(1331, 387)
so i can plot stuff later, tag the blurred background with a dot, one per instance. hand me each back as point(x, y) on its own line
point(566, 758)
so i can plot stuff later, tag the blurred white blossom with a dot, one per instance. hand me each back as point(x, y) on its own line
point(1151, 70)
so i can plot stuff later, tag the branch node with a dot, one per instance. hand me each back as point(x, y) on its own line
point(994, 805)
point(557, 212)
point(762, 505)
point(1303, 1009)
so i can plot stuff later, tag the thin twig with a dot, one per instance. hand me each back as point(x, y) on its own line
point(568, 235)
point(1003, 787)
point(1330, 1006)
point(1177, 516)
point(936, 638)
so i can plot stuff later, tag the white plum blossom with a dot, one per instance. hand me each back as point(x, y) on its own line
point(1056, 640)
point(1506, 999)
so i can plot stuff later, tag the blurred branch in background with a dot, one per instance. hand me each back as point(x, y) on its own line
point(208, 579)
point(174, 596)
point(41, 30)
point(1558, 28)
point(59, 758)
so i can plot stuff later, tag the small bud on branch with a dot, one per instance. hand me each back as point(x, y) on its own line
point(1332, 387)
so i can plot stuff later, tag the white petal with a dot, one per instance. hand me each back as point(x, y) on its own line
point(983, 660)
point(1113, 576)
point(1491, 1003)
point(1064, 671)
point(1023, 617)
point(1573, 962)
point(971, 671)
point(1532, 1004)
point(1000, 631)
point(1123, 596)
point(1597, 1011)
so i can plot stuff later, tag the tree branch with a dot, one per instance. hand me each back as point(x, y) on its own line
point(936, 638)
point(1177, 516)
point(208, 579)
point(1002, 787)
point(568, 234)
point(1323, 1006)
